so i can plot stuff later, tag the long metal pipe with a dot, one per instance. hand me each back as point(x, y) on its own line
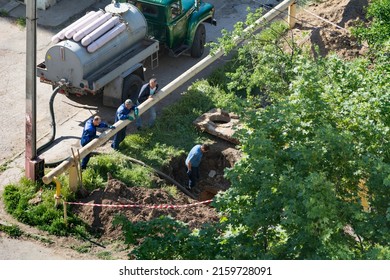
point(168, 89)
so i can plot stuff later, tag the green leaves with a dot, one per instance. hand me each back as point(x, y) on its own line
point(166, 238)
point(378, 31)
point(306, 155)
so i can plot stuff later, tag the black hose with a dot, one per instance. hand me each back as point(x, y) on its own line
point(53, 134)
point(55, 163)
point(53, 121)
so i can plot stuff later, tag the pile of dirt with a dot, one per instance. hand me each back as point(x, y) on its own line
point(100, 219)
point(312, 31)
point(222, 155)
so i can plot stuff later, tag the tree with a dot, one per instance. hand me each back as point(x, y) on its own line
point(314, 181)
point(378, 30)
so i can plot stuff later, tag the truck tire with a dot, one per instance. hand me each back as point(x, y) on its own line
point(131, 86)
point(197, 48)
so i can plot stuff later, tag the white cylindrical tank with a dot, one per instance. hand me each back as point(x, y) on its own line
point(71, 61)
point(106, 38)
point(91, 26)
point(61, 35)
point(69, 33)
point(99, 31)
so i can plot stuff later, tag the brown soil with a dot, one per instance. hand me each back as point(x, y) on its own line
point(100, 219)
point(311, 31)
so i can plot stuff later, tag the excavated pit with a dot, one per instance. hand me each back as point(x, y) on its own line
point(222, 155)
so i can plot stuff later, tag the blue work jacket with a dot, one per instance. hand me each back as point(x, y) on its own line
point(122, 112)
point(89, 131)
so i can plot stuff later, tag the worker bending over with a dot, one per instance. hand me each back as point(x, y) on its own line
point(89, 133)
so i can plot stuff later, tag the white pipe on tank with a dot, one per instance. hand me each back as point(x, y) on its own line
point(61, 35)
point(90, 27)
point(69, 34)
point(106, 37)
point(99, 31)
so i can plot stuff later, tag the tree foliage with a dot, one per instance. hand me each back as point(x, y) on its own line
point(378, 30)
point(314, 181)
point(308, 160)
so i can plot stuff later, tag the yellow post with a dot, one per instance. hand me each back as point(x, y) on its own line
point(57, 195)
point(76, 167)
point(292, 13)
point(73, 178)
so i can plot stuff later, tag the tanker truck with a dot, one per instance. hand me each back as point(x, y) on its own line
point(103, 52)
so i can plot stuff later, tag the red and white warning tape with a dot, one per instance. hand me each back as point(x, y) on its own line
point(161, 206)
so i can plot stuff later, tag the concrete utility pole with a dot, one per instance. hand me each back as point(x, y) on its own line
point(33, 165)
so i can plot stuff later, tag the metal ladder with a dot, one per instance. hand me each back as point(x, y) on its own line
point(154, 60)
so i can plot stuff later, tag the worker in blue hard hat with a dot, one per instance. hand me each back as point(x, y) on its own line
point(122, 113)
point(89, 133)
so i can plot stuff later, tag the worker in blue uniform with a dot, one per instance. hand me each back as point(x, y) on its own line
point(89, 133)
point(192, 163)
point(147, 91)
point(122, 113)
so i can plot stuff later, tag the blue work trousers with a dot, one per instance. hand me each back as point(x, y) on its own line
point(193, 177)
point(118, 138)
point(85, 160)
point(152, 117)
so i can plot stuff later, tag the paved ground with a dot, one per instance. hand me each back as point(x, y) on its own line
point(54, 16)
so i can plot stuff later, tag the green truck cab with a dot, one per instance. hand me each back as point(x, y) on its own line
point(178, 24)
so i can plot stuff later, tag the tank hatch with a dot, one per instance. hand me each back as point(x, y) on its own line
point(117, 8)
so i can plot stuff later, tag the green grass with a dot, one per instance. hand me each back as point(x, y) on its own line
point(44, 215)
point(4, 167)
point(82, 249)
point(11, 230)
point(174, 132)
point(3, 13)
point(21, 22)
point(95, 176)
point(104, 255)
point(171, 190)
point(39, 238)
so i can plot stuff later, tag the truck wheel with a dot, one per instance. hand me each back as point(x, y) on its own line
point(131, 87)
point(197, 48)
